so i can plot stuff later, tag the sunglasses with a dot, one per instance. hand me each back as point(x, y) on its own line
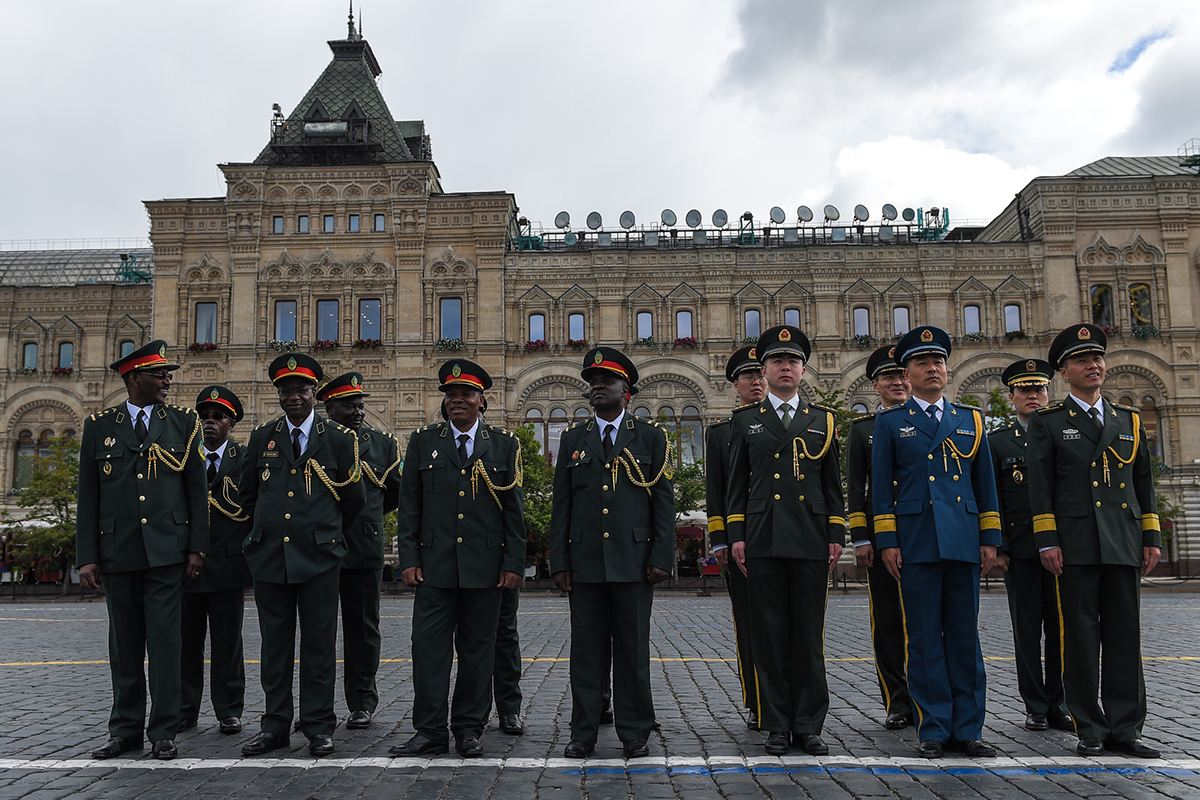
point(217, 415)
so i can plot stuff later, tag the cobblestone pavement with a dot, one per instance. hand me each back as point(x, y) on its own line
point(55, 692)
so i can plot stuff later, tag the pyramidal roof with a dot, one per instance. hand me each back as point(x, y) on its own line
point(343, 118)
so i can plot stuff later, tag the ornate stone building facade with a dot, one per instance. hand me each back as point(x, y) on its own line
point(339, 238)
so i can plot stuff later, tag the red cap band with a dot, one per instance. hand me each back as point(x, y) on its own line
point(152, 360)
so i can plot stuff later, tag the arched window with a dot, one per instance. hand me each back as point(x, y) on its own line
point(554, 431)
point(859, 408)
point(971, 323)
point(691, 437)
point(533, 418)
point(1140, 314)
point(753, 322)
point(642, 411)
point(791, 316)
point(575, 327)
point(24, 460)
point(582, 413)
point(1154, 437)
point(66, 355)
point(645, 325)
point(537, 327)
point(683, 324)
point(1012, 318)
point(862, 322)
point(900, 323)
point(29, 355)
point(43, 445)
point(1102, 309)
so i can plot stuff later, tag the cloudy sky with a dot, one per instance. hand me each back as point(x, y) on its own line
point(599, 106)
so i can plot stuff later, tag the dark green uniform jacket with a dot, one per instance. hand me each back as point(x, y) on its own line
point(462, 524)
point(793, 506)
point(611, 519)
point(1091, 490)
point(224, 566)
point(379, 455)
point(861, 520)
point(141, 506)
point(301, 510)
point(1008, 446)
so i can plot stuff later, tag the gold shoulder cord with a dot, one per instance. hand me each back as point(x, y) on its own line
point(156, 452)
point(800, 447)
point(480, 471)
point(1137, 438)
point(631, 466)
point(957, 454)
point(382, 477)
point(312, 466)
point(237, 516)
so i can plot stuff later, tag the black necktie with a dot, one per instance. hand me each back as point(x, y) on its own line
point(462, 447)
point(933, 414)
point(212, 467)
point(609, 440)
point(296, 444)
point(139, 428)
point(1095, 415)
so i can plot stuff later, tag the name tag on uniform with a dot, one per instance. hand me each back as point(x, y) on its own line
point(871, 439)
point(1125, 437)
point(755, 428)
point(270, 455)
point(907, 432)
point(1070, 433)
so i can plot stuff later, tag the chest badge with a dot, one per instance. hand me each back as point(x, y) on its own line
point(108, 468)
point(433, 454)
point(1018, 476)
point(1070, 433)
point(906, 432)
point(266, 473)
point(109, 442)
point(757, 427)
point(271, 445)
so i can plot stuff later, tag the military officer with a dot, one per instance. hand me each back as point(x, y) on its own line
point(612, 537)
point(142, 526)
point(745, 373)
point(937, 532)
point(461, 537)
point(361, 575)
point(300, 485)
point(1032, 597)
point(787, 528)
point(1095, 523)
point(887, 629)
point(216, 599)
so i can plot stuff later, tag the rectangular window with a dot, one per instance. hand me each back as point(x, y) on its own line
point(575, 327)
point(328, 227)
point(753, 322)
point(302, 223)
point(900, 322)
point(537, 327)
point(1012, 318)
point(206, 323)
point(276, 224)
point(369, 316)
point(327, 320)
point(645, 325)
point(29, 357)
point(683, 324)
point(126, 348)
point(971, 319)
point(285, 320)
point(380, 224)
point(451, 318)
point(862, 322)
point(66, 355)
point(354, 223)
point(791, 316)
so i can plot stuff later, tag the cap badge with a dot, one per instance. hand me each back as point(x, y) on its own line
point(927, 335)
point(599, 359)
point(752, 353)
point(456, 370)
point(892, 353)
point(214, 394)
point(1084, 333)
point(354, 381)
point(785, 335)
point(162, 351)
point(1032, 367)
point(291, 364)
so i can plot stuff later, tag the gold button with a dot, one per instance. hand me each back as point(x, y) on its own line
point(932, 478)
point(463, 471)
point(1095, 483)
point(605, 511)
point(895, 483)
point(1097, 504)
point(1120, 465)
point(1122, 486)
point(293, 472)
point(606, 534)
point(460, 539)
point(1093, 463)
point(143, 520)
point(290, 494)
point(139, 476)
point(777, 455)
point(955, 477)
point(776, 476)
point(931, 456)
point(959, 499)
point(606, 487)
point(462, 494)
point(1124, 505)
point(776, 497)
point(142, 498)
point(286, 540)
point(287, 516)
point(801, 497)
point(460, 516)
point(801, 477)
point(608, 466)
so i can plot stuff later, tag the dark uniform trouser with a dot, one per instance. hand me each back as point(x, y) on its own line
point(946, 681)
point(1033, 606)
point(359, 590)
point(143, 622)
point(506, 672)
point(887, 636)
point(1101, 613)
point(610, 624)
point(220, 612)
point(787, 636)
point(445, 620)
point(315, 602)
point(740, 600)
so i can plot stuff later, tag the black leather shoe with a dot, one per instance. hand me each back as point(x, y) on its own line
point(468, 746)
point(1134, 747)
point(115, 746)
point(636, 749)
point(1062, 722)
point(752, 720)
point(655, 726)
point(184, 724)
point(778, 743)
point(164, 750)
point(511, 724)
point(1090, 746)
point(418, 745)
point(230, 725)
point(320, 745)
point(575, 749)
point(812, 744)
point(358, 720)
point(264, 743)
point(606, 717)
point(1036, 722)
point(931, 748)
point(897, 721)
point(977, 748)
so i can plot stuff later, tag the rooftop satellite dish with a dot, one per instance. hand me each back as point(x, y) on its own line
point(909, 215)
point(720, 218)
point(889, 211)
point(804, 213)
point(594, 221)
point(831, 213)
point(693, 218)
point(562, 220)
point(668, 217)
point(570, 238)
point(627, 219)
point(777, 215)
point(861, 214)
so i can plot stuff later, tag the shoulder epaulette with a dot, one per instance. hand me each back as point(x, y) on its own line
point(890, 409)
point(744, 409)
point(722, 421)
point(1051, 407)
point(1127, 408)
point(862, 418)
point(826, 409)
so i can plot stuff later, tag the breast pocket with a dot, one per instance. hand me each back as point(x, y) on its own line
point(497, 471)
point(579, 472)
point(433, 475)
point(109, 464)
